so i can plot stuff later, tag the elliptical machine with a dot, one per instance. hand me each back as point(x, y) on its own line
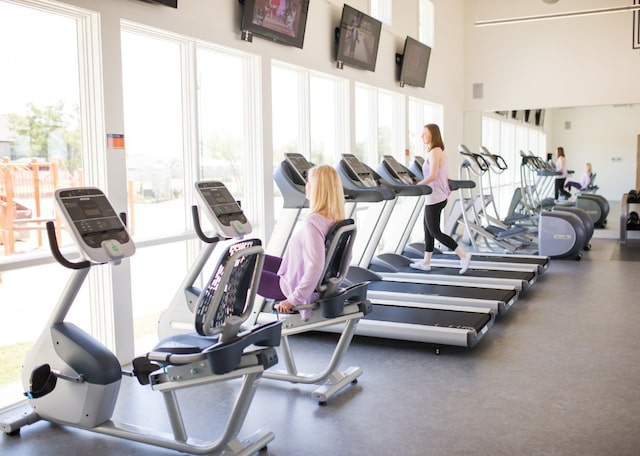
point(72, 379)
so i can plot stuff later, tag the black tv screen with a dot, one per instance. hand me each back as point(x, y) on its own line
point(171, 3)
point(414, 63)
point(358, 39)
point(282, 21)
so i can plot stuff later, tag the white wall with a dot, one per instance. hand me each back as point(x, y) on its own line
point(580, 61)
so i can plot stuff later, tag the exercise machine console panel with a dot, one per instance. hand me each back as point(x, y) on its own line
point(225, 213)
point(97, 229)
point(398, 171)
point(358, 169)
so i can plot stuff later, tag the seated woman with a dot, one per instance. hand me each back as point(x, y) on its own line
point(292, 279)
point(585, 180)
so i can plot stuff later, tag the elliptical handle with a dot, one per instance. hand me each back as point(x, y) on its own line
point(196, 225)
point(55, 251)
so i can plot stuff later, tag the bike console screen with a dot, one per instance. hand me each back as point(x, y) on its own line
point(222, 208)
point(89, 211)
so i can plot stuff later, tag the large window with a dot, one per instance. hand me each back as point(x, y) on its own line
point(153, 107)
point(381, 129)
point(309, 114)
point(50, 130)
point(39, 120)
point(308, 117)
point(229, 137)
point(289, 111)
point(222, 124)
point(382, 10)
point(391, 125)
point(421, 113)
point(328, 118)
point(185, 120)
point(380, 124)
point(366, 148)
point(426, 26)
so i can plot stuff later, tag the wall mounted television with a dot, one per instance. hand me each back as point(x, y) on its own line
point(171, 3)
point(414, 63)
point(281, 21)
point(357, 38)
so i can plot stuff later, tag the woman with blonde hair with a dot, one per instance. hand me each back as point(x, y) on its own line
point(292, 279)
point(585, 180)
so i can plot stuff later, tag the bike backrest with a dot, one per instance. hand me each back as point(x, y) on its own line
point(339, 244)
point(231, 289)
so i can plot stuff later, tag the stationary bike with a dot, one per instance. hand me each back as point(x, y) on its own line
point(72, 379)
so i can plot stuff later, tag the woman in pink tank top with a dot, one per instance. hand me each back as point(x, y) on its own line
point(436, 175)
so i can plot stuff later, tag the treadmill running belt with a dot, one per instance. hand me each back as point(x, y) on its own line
point(517, 275)
point(487, 294)
point(430, 317)
point(543, 261)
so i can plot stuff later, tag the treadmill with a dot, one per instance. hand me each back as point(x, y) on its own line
point(392, 317)
point(355, 174)
point(416, 250)
point(427, 291)
point(397, 174)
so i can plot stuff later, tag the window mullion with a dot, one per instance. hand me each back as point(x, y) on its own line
point(304, 114)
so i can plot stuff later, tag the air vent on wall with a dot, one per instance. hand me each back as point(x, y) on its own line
point(478, 90)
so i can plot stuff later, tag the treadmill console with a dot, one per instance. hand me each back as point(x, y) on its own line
point(299, 164)
point(398, 171)
point(222, 210)
point(96, 227)
point(358, 169)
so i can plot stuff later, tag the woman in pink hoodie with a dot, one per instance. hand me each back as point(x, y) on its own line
point(292, 279)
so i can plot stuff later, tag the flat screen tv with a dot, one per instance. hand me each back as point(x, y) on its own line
point(358, 38)
point(171, 3)
point(414, 63)
point(281, 21)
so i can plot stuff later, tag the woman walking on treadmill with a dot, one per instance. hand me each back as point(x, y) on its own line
point(293, 278)
point(436, 175)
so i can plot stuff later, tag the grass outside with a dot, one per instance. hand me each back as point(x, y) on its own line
point(11, 356)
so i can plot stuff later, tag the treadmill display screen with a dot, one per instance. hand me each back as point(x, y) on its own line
point(300, 164)
point(355, 165)
point(364, 175)
point(400, 172)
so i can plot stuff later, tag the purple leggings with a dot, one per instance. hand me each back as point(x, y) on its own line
point(269, 286)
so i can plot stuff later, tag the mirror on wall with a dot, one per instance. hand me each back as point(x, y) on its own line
point(606, 136)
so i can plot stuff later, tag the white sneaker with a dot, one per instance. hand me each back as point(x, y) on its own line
point(464, 263)
point(420, 265)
